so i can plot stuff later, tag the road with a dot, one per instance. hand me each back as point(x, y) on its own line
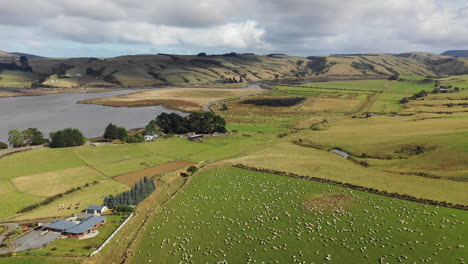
point(207, 107)
point(8, 152)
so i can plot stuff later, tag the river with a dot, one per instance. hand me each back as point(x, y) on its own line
point(53, 112)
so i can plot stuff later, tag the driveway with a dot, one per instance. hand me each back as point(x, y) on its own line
point(33, 240)
point(9, 152)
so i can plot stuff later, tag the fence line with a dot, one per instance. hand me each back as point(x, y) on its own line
point(111, 236)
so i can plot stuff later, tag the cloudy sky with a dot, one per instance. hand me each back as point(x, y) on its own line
point(104, 28)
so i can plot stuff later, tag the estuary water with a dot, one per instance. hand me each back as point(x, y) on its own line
point(50, 113)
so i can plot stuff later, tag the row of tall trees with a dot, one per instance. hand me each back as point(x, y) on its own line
point(28, 137)
point(138, 193)
point(203, 123)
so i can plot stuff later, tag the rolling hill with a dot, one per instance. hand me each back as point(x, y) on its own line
point(455, 53)
point(167, 69)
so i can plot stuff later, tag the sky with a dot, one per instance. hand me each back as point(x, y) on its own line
point(108, 28)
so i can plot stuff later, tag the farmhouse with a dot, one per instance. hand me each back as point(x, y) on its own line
point(77, 230)
point(96, 209)
point(60, 226)
point(85, 227)
point(151, 137)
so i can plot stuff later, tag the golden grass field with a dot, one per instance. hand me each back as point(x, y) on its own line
point(184, 99)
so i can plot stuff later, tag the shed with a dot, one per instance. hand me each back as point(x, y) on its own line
point(96, 209)
point(195, 137)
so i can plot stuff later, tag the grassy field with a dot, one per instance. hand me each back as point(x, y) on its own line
point(17, 78)
point(308, 161)
point(362, 85)
point(55, 171)
point(238, 216)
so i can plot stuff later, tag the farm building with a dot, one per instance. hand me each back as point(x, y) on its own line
point(72, 229)
point(195, 137)
point(150, 137)
point(60, 226)
point(85, 227)
point(96, 209)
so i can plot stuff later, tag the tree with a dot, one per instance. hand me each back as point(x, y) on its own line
point(33, 137)
point(114, 132)
point(192, 169)
point(15, 138)
point(121, 133)
point(152, 127)
point(24, 60)
point(69, 137)
point(3, 145)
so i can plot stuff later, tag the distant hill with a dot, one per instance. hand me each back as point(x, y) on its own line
point(456, 53)
point(202, 69)
point(30, 56)
point(6, 55)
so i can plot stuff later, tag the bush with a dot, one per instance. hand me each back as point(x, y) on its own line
point(138, 138)
point(3, 145)
point(123, 208)
point(69, 137)
point(192, 169)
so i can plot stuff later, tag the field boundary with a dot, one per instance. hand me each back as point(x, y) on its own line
point(357, 187)
point(111, 236)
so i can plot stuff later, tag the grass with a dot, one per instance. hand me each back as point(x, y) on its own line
point(17, 78)
point(38, 161)
point(76, 202)
point(56, 182)
point(54, 171)
point(306, 161)
point(382, 136)
point(363, 85)
point(238, 216)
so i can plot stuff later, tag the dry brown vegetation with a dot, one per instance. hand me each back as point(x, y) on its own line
point(185, 99)
point(131, 178)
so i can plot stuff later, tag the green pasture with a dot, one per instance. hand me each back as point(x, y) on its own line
point(231, 215)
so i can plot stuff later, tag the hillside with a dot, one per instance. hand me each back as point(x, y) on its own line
point(165, 69)
point(455, 53)
point(6, 55)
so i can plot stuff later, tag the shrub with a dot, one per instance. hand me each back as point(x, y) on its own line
point(192, 169)
point(3, 145)
point(123, 208)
